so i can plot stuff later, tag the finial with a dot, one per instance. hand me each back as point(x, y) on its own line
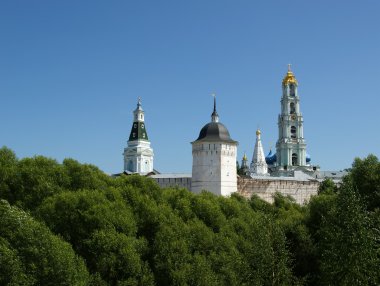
point(289, 69)
point(214, 96)
point(245, 157)
point(139, 101)
point(214, 115)
point(258, 132)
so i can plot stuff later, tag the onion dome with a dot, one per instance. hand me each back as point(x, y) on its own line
point(289, 77)
point(271, 158)
point(308, 158)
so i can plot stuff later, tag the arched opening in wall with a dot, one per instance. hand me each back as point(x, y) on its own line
point(294, 159)
point(291, 90)
point(130, 166)
point(293, 132)
point(292, 108)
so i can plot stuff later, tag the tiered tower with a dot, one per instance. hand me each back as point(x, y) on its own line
point(138, 156)
point(291, 145)
point(258, 165)
point(214, 159)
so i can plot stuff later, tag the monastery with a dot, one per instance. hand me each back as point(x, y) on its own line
point(288, 170)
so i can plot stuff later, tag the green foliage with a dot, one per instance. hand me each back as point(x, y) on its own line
point(327, 187)
point(84, 176)
point(117, 257)
point(33, 255)
point(365, 176)
point(346, 244)
point(129, 231)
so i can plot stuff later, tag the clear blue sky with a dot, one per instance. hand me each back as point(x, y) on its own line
point(71, 73)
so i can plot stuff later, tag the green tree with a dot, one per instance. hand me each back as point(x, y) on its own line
point(37, 178)
point(33, 254)
point(365, 175)
point(77, 215)
point(8, 174)
point(292, 219)
point(346, 243)
point(117, 258)
point(84, 176)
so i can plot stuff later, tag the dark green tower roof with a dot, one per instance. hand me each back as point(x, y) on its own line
point(138, 131)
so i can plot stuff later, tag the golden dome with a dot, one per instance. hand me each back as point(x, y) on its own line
point(289, 78)
point(258, 132)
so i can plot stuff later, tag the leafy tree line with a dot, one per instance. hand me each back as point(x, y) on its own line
point(71, 224)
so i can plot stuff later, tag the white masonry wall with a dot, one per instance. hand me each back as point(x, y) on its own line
point(301, 191)
point(214, 168)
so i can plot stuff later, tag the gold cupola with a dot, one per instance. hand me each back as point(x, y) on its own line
point(289, 78)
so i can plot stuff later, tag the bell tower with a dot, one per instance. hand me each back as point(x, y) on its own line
point(138, 156)
point(291, 145)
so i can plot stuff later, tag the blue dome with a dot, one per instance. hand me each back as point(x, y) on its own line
point(308, 158)
point(271, 158)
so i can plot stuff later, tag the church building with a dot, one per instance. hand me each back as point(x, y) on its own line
point(214, 169)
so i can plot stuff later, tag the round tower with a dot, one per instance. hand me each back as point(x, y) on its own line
point(214, 159)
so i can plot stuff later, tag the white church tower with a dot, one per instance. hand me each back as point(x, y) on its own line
point(291, 145)
point(138, 156)
point(258, 165)
point(214, 159)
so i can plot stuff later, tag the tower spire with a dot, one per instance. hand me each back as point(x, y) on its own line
point(214, 115)
point(258, 164)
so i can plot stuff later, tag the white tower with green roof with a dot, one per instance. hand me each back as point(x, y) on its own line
point(138, 156)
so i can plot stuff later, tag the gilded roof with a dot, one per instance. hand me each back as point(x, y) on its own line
point(289, 78)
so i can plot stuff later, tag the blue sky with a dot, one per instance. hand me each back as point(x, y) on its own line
point(71, 73)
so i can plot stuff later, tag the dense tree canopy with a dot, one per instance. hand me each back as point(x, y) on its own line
point(71, 224)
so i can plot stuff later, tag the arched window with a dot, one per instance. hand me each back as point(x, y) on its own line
point(294, 159)
point(291, 90)
point(292, 108)
point(293, 132)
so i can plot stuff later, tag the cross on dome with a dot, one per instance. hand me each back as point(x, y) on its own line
point(214, 115)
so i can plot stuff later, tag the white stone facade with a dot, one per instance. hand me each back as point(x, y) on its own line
point(138, 157)
point(258, 164)
point(214, 167)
